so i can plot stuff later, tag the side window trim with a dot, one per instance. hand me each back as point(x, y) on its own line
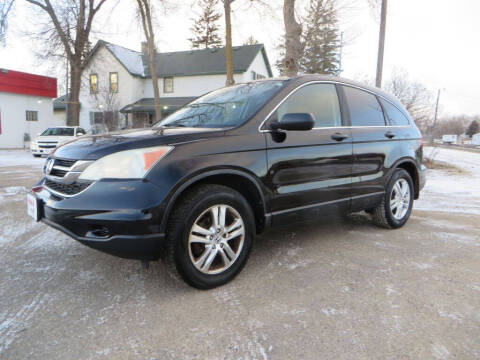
point(385, 115)
point(273, 115)
point(344, 112)
point(337, 83)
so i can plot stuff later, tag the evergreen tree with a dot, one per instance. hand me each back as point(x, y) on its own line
point(205, 28)
point(473, 128)
point(321, 40)
point(251, 41)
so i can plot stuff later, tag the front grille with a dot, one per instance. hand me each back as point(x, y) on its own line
point(64, 162)
point(57, 172)
point(47, 146)
point(67, 189)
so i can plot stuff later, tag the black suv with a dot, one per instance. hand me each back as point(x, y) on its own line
point(200, 184)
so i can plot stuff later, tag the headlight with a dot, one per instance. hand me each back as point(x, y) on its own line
point(129, 164)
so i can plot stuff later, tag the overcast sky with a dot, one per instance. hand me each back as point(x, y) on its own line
point(436, 41)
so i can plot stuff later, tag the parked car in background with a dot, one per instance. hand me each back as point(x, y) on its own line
point(449, 139)
point(202, 182)
point(47, 141)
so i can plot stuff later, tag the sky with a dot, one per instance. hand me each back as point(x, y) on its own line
point(435, 41)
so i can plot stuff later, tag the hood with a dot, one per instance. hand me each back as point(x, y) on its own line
point(97, 146)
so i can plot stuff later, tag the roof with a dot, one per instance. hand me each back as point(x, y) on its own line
point(146, 104)
point(27, 84)
point(185, 63)
point(60, 103)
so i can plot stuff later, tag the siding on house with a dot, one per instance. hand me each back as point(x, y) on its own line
point(194, 73)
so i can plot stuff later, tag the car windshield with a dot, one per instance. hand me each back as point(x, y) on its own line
point(58, 132)
point(226, 107)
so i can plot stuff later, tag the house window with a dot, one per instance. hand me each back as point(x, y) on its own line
point(168, 85)
point(93, 83)
point(113, 82)
point(31, 115)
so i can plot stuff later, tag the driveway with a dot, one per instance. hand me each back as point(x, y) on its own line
point(330, 289)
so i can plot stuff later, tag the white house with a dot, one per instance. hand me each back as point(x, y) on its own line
point(117, 87)
point(25, 107)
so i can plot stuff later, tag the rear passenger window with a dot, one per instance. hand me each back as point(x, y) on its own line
point(320, 100)
point(364, 107)
point(395, 116)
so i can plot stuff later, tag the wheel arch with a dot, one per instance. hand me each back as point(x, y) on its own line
point(238, 180)
point(409, 166)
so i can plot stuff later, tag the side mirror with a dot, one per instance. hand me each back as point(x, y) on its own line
point(294, 122)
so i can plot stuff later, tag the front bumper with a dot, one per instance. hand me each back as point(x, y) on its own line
point(121, 218)
point(40, 151)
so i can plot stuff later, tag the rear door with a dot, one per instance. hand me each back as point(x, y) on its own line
point(309, 170)
point(372, 145)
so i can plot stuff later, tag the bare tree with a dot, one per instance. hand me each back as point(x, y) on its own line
point(293, 32)
point(415, 96)
point(227, 5)
point(68, 31)
point(5, 7)
point(145, 11)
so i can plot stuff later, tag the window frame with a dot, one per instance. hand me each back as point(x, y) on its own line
point(346, 123)
point(165, 85)
point(31, 112)
point(387, 118)
point(377, 99)
point(110, 82)
point(343, 119)
point(90, 82)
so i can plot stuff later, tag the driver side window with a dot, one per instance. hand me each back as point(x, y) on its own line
point(320, 100)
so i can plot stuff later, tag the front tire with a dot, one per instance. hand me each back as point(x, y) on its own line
point(36, 155)
point(396, 206)
point(210, 236)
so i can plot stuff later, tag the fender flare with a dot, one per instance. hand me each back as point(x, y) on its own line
point(196, 178)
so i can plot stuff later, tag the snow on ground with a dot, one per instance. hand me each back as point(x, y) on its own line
point(452, 190)
point(19, 157)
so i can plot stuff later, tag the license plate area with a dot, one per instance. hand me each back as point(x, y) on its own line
point(33, 208)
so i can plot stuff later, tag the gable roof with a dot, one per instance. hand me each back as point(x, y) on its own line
point(184, 63)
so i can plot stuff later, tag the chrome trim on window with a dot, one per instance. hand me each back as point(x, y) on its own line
point(333, 127)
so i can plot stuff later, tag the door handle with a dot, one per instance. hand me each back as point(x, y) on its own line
point(339, 136)
point(389, 135)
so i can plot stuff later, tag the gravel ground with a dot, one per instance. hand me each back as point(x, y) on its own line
point(332, 289)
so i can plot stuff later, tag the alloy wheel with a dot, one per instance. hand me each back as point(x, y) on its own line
point(400, 199)
point(216, 239)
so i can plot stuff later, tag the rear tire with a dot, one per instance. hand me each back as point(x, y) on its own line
point(210, 235)
point(396, 206)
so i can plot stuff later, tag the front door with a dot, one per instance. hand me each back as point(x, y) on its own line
point(309, 171)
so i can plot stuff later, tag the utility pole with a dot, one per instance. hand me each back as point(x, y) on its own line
point(67, 97)
point(436, 109)
point(381, 44)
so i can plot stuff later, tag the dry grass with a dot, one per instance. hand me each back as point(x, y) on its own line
point(440, 165)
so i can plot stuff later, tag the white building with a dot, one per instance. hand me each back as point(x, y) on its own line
point(117, 87)
point(476, 139)
point(25, 107)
